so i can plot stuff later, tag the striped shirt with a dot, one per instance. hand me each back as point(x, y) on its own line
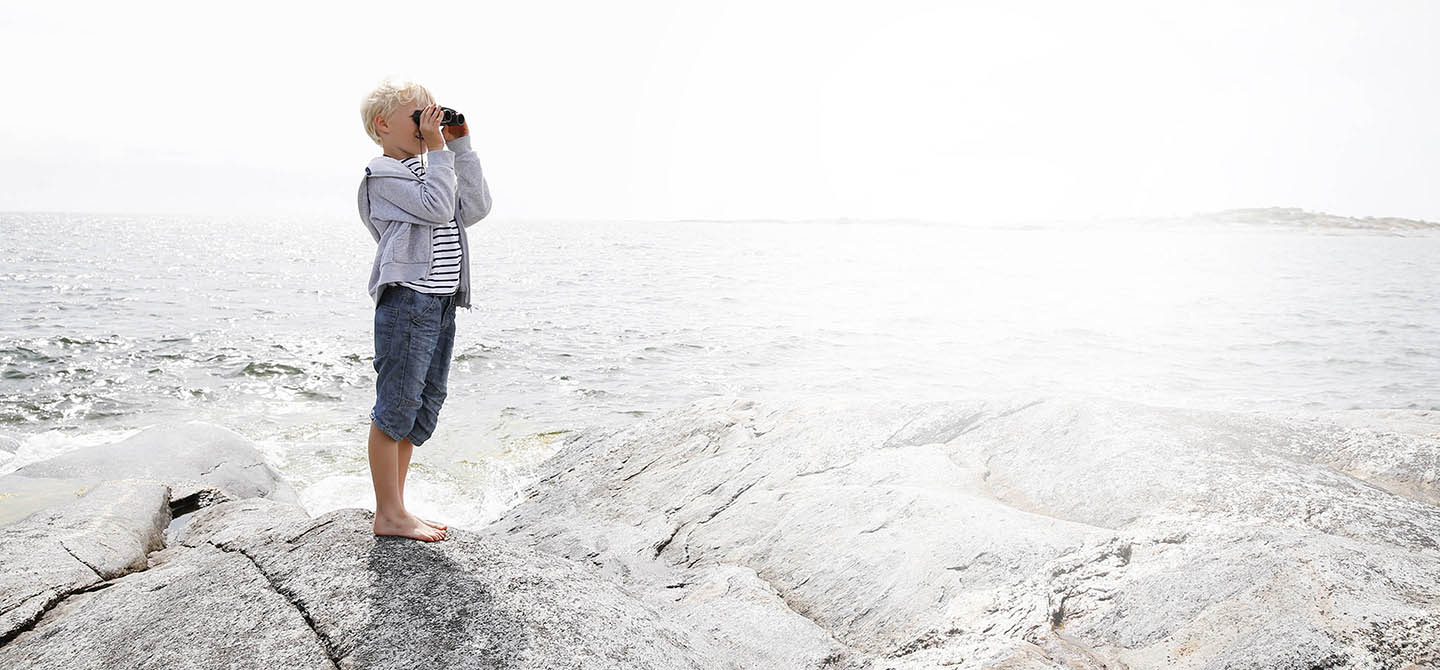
point(444, 275)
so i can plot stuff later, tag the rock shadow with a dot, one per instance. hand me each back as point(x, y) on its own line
point(427, 611)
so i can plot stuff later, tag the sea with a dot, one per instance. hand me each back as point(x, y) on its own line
point(117, 323)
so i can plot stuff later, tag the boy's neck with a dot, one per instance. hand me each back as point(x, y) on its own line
point(398, 154)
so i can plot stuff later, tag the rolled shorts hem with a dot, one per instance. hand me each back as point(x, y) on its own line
point(389, 432)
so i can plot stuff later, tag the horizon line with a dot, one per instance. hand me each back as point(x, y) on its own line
point(816, 219)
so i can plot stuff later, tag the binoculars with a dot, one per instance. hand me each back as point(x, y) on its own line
point(450, 118)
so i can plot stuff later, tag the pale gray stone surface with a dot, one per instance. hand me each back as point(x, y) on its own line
point(191, 452)
point(1016, 534)
point(225, 523)
point(1403, 460)
point(256, 583)
point(1077, 533)
point(466, 602)
point(83, 518)
point(102, 535)
point(211, 610)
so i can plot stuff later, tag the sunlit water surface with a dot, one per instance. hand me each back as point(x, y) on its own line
point(264, 326)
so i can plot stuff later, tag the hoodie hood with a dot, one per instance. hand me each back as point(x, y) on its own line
point(385, 166)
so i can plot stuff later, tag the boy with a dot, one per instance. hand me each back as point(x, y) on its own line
point(418, 216)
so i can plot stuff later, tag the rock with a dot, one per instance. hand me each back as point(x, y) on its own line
point(1110, 464)
point(101, 536)
point(1077, 533)
point(1013, 533)
point(186, 498)
point(213, 609)
point(85, 518)
point(256, 583)
point(1393, 449)
point(190, 453)
point(224, 524)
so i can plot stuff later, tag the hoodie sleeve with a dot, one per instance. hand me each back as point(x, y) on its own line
point(474, 191)
point(431, 199)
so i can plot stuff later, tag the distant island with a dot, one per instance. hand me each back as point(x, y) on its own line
point(1286, 217)
point(1299, 218)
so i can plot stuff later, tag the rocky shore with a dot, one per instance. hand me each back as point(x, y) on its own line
point(1025, 533)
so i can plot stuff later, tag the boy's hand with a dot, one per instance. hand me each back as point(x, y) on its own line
point(430, 128)
point(452, 132)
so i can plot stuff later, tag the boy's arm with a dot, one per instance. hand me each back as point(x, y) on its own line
point(431, 199)
point(474, 191)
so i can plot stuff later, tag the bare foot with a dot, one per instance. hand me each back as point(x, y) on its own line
point(431, 524)
point(407, 526)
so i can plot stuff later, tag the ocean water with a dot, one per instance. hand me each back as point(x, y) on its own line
point(116, 323)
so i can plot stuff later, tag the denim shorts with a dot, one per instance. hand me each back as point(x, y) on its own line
point(414, 336)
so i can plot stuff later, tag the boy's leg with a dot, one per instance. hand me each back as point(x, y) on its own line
point(406, 450)
point(384, 454)
point(433, 395)
point(382, 467)
point(404, 341)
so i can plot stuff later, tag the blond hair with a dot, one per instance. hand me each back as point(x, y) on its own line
point(386, 98)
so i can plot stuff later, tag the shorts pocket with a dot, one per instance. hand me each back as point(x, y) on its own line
point(425, 309)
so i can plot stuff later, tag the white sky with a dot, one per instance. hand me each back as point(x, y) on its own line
point(770, 109)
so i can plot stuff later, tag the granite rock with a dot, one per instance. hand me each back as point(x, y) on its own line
point(1005, 533)
point(191, 453)
point(1014, 533)
point(255, 583)
point(105, 534)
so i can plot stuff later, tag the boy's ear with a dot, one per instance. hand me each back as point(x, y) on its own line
point(380, 123)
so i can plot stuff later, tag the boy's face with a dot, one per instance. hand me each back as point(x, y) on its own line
point(399, 133)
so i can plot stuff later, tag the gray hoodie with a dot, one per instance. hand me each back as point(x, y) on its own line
point(399, 209)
